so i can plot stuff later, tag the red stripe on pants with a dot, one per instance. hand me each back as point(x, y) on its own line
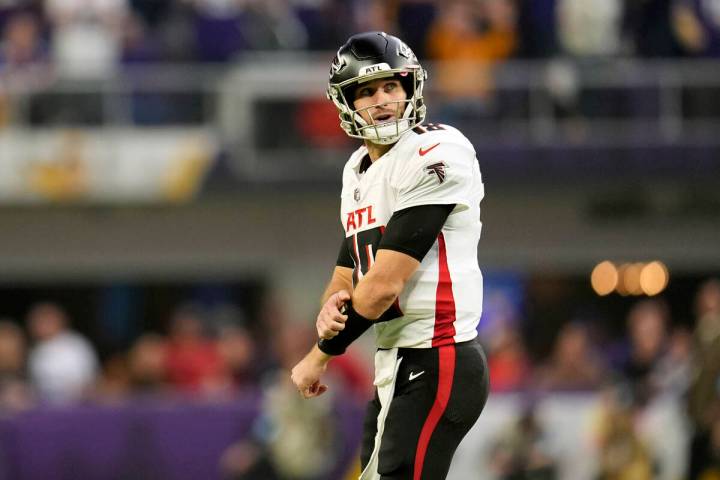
point(446, 361)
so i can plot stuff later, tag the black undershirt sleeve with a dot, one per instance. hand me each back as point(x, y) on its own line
point(413, 231)
point(344, 259)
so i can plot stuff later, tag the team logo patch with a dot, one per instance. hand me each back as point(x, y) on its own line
point(437, 169)
point(356, 194)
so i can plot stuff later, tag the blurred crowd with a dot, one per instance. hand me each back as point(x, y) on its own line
point(657, 359)
point(72, 45)
point(49, 362)
point(197, 359)
point(85, 39)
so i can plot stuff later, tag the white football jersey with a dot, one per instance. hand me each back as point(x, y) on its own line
point(432, 164)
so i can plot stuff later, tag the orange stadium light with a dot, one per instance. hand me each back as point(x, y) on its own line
point(604, 278)
point(631, 278)
point(654, 278)
point(621, 288)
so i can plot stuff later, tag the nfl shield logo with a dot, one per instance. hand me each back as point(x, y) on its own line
point(356, 194)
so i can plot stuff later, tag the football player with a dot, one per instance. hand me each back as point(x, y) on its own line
point(407, 266)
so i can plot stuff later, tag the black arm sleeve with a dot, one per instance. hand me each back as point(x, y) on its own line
point(344, 259)
point(413, 231)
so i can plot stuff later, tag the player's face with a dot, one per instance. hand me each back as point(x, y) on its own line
point(380, 101)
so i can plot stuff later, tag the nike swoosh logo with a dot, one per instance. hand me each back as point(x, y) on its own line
point(414, 375)
point(423, 152)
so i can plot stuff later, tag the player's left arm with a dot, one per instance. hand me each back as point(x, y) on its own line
point(379, 288)
point(408, 236)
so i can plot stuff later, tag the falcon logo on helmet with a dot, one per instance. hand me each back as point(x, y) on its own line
point(337, 65)
point(368, 56)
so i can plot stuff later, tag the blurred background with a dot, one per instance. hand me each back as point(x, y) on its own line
point(169, 189)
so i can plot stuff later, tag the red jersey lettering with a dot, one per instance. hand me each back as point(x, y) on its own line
point(350, 224)
point(355, 219)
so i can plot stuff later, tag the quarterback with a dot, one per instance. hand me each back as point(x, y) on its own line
point(407, 265)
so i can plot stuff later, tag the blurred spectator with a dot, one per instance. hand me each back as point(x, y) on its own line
point(647, 323)
point(193, 360)
point(62, 364)
point(237, 350)
point(219, 32)
point(24, 65)
point(537, 28)
point(413, 19)
point(374, 15)
point(86, 36)
point(590, 37)
point(623, 455)
point(138, 45)
point(649, 23)
point(704, 394)
point(147, 364)
point(22, 49)
point(574, 364)
point(710, 468)
point(174, 31)
point(329, 21)
point(273, 25)
point(12, 351)
point(523, 452)
point(152, 12)
point(697, 25)
point(14, 391)
point(114, 382)
point(589, 27)
point(673, 372)
point(470, 37)
point(507, 360)
point(86, 47)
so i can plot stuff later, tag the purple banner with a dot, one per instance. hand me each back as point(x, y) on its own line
point(138, 441)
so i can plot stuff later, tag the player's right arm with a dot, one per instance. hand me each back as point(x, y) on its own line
point(306, 374)
point(341, 280)
point(330, 321)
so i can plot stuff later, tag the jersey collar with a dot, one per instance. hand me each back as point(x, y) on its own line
point(360, 164)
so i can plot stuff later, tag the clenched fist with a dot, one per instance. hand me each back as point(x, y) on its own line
point(330, 320)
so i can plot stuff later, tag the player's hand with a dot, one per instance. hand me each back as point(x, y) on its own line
point(306, 374)
point(330, 321)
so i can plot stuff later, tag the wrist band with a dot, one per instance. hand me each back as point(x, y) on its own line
point(355, 326)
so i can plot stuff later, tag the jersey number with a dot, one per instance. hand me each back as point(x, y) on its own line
point(428, 127)
point(363, 247)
